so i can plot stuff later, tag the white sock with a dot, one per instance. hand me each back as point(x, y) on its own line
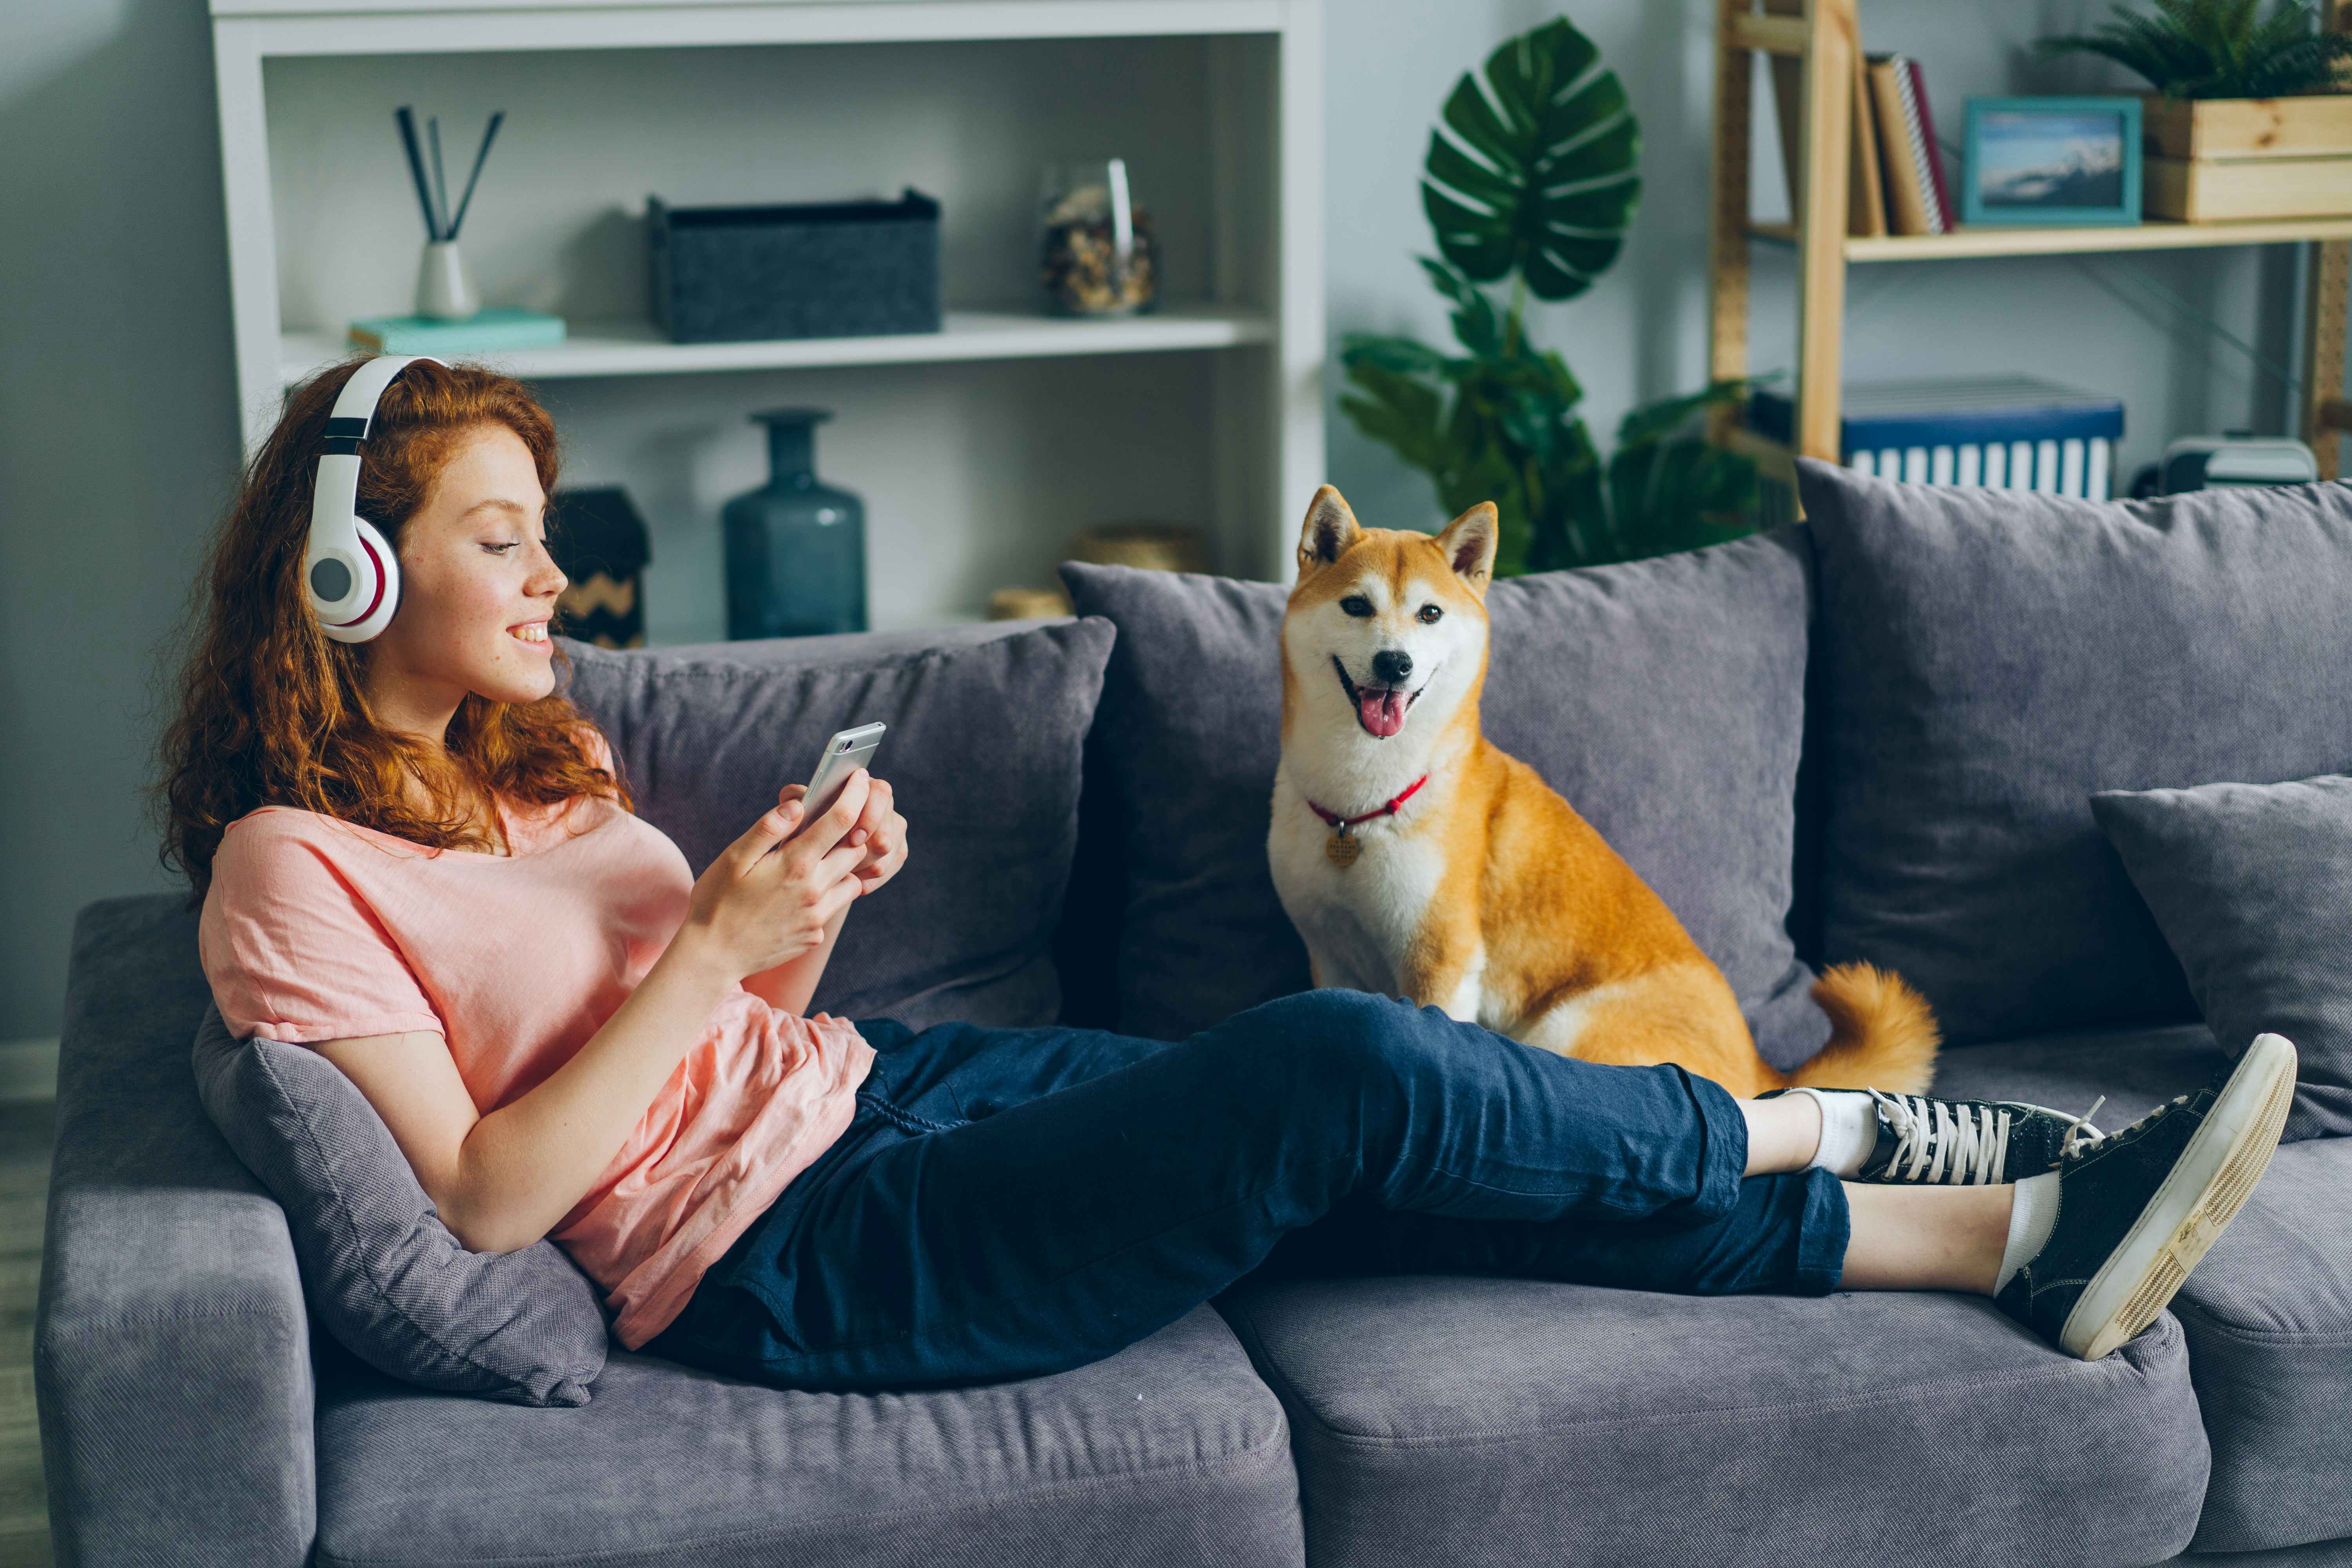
point(1849, 1130)
point(2033, 1211)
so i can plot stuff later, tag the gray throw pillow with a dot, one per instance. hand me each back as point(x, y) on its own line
point(1665, 698)
point(987, 735)
point(379, 1270)
point(1992, 657)
point(2251, 884)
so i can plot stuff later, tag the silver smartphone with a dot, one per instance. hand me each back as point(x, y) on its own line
point(843, 755)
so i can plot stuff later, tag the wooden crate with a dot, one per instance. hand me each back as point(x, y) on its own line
point(2233, 128)
point(2234, 158)
point(2230, 190)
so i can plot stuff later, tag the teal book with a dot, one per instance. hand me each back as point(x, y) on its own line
point(487, 332)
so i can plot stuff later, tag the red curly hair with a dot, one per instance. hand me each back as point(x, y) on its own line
point(273, 712)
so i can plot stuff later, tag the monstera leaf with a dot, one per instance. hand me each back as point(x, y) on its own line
point(1533, 170)
point(1531, 173)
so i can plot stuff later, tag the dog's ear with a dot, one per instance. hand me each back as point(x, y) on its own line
point(1469, 545)
point(1330, 527)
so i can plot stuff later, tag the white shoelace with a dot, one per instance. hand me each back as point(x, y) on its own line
point(1972, 1145)
point(2075, 1139)
point(1969, 1142)
point(2097, 1136)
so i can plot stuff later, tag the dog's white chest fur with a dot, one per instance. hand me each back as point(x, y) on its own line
point(1358, 919)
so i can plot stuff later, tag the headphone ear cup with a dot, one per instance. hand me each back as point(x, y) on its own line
point(387, 563)
point(377, 569)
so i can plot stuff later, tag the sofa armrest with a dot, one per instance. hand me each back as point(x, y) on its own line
point(172, 1354)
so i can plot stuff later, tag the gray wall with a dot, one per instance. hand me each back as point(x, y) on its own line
point(117, 442)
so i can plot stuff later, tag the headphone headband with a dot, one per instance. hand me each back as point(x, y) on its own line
point(349, 569)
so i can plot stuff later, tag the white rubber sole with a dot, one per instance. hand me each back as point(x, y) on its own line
point(2205, 1190)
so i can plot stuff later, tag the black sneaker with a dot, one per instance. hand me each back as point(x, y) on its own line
point(1960, 1142)
point(2139, 1208)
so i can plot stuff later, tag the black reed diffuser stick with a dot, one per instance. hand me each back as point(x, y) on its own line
point(489, 136)
point(440, 184)
point(406, 119)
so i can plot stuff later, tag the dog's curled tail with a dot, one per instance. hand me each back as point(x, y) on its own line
point(1882, 1033)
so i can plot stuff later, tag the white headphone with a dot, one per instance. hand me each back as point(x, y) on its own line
point(349, 570)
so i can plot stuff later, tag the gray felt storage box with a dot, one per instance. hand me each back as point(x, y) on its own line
point(850, 269)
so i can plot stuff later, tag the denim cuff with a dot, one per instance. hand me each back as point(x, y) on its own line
point(1723, 1148)
point(1823, 1228)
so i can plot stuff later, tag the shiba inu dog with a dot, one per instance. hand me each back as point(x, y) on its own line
point(1419, 860)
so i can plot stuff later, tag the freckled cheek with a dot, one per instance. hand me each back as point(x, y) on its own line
point(452, 609)
point(484, 609)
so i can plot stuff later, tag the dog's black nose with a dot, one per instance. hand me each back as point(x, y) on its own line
point(1391, 664)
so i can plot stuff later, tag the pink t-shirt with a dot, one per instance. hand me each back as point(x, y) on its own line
point(318, 930)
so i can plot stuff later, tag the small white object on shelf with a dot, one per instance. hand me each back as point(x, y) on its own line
point(444, 290)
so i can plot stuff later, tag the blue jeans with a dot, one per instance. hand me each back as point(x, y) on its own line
point(1009, 1203)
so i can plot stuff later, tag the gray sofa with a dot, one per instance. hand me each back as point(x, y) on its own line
point(1878, 731)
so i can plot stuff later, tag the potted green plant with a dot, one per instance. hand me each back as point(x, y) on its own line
point(1531, 179)
point(2250, 119)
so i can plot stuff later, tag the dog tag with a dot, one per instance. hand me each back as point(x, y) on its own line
point(1343, 847)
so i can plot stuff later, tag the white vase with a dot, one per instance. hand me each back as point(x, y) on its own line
point(444, 290)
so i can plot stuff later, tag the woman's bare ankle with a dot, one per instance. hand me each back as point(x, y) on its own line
point(1782, 1134)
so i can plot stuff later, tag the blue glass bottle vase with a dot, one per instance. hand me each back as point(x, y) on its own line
point(796, 547)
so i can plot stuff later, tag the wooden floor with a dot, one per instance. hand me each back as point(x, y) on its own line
point(28, 1131)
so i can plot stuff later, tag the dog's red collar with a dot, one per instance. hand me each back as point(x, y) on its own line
point(1333, 819)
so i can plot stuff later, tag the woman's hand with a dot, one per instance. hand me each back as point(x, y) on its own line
point(770, 896)
point(882, 833)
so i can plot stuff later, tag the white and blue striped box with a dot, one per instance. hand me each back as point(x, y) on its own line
point(2004, 433)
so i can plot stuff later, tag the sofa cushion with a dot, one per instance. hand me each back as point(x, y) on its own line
point(1665, 698)
point(379, 1268)
point(1994, 657)
point(2249, 883)
point(2269, 1318)
point(2268, 1313)
point(987, 730)
point(1171, 1451)
point(1509, 1421)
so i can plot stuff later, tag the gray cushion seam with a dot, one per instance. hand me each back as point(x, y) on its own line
point(384, 1297)
point(725, 670)
point(1262, 1457)
point(53, 1331)
point(2207, 1321)
point(1354, 1439)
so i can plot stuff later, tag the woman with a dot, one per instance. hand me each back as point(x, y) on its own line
point(416, 858)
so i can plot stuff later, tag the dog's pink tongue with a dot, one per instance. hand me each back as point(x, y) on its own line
point(1384, 712)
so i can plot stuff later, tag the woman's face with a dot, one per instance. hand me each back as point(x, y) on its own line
point(477, 590)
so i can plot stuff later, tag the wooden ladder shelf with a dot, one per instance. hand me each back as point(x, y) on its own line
point(1827, 36)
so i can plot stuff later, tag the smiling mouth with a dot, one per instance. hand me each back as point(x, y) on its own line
point(531, 632)
point(1378, 709)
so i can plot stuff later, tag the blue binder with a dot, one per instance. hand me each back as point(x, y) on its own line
point(2008, 432)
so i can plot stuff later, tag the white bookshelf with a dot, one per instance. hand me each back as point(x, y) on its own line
point(978, 448)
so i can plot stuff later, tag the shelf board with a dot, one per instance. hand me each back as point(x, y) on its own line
point(469, 26)
point(1963, 244)
point(635, 348)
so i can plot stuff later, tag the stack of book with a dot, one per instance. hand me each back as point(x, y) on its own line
point(2004, 433)
point(1896, 174)
point(486, 332)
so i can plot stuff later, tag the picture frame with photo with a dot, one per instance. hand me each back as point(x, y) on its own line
point(2052, 162)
